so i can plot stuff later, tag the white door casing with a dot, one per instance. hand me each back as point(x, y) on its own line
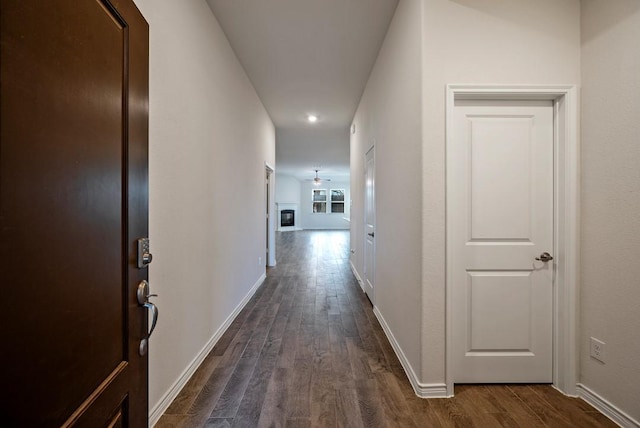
point(502, 218)
point(369, 223)
point(267, 197)
point(565, 220)
point(272, 215)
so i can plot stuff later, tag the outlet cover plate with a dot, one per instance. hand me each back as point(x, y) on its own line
point(597, 349)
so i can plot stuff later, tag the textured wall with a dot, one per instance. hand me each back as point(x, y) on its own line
point(209, 138)
point(287, 189)
point(611, 200)
point(389, 115)
point(478, 42)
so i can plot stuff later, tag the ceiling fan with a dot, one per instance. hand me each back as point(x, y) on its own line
point(316, 179)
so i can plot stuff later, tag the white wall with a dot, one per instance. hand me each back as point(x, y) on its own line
point(310, 220)
point(611, 200)
point(479, 42)
point(287, 189)
point(209, 139)
point(287, 197)
point(432, 43)
point(389, 115)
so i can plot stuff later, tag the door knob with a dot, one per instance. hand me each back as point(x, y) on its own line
point(545, 257)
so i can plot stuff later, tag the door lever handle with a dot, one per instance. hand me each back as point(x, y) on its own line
point(545, 257)
point(154, 317)
point(143, 300)
point(371, 234)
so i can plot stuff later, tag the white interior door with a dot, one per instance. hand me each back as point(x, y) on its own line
point(369, 223)
point(267, 212)
point(501, 214)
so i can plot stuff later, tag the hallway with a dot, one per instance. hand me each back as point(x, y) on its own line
point(307, 351)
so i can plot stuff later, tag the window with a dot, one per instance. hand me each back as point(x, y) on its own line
point(319, 200)
point(337, 200)
point(335, 203)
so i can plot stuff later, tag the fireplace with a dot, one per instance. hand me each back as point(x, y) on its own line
point(287, 218)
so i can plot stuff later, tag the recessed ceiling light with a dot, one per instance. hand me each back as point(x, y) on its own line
point(312, 118)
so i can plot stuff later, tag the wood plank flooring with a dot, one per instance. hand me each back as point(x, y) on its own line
point(307, 351)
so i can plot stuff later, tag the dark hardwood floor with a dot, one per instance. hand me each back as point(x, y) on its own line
point(307, 351)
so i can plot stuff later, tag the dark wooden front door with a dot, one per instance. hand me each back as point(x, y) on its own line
point(73, 201)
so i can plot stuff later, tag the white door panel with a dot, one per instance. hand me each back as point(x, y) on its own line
point(502, 213)
point(369, 224)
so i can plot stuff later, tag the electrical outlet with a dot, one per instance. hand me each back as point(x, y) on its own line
point(598, 349)
point(259, 261)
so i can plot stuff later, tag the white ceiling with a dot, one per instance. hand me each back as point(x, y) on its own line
point(304, 150)
point(307, 57)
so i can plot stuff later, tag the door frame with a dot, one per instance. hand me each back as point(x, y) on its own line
point(365, 287)
point(272, 214)
point(565, 213)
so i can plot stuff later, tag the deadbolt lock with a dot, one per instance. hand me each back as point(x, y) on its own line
point(144, 256)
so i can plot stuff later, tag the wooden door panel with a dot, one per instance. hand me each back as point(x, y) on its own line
point(64, 211)
point(137, 185)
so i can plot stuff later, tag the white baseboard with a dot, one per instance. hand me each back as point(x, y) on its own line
point(355, 273)
point(606, 408)
point(422, 390)
point(158, 410)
